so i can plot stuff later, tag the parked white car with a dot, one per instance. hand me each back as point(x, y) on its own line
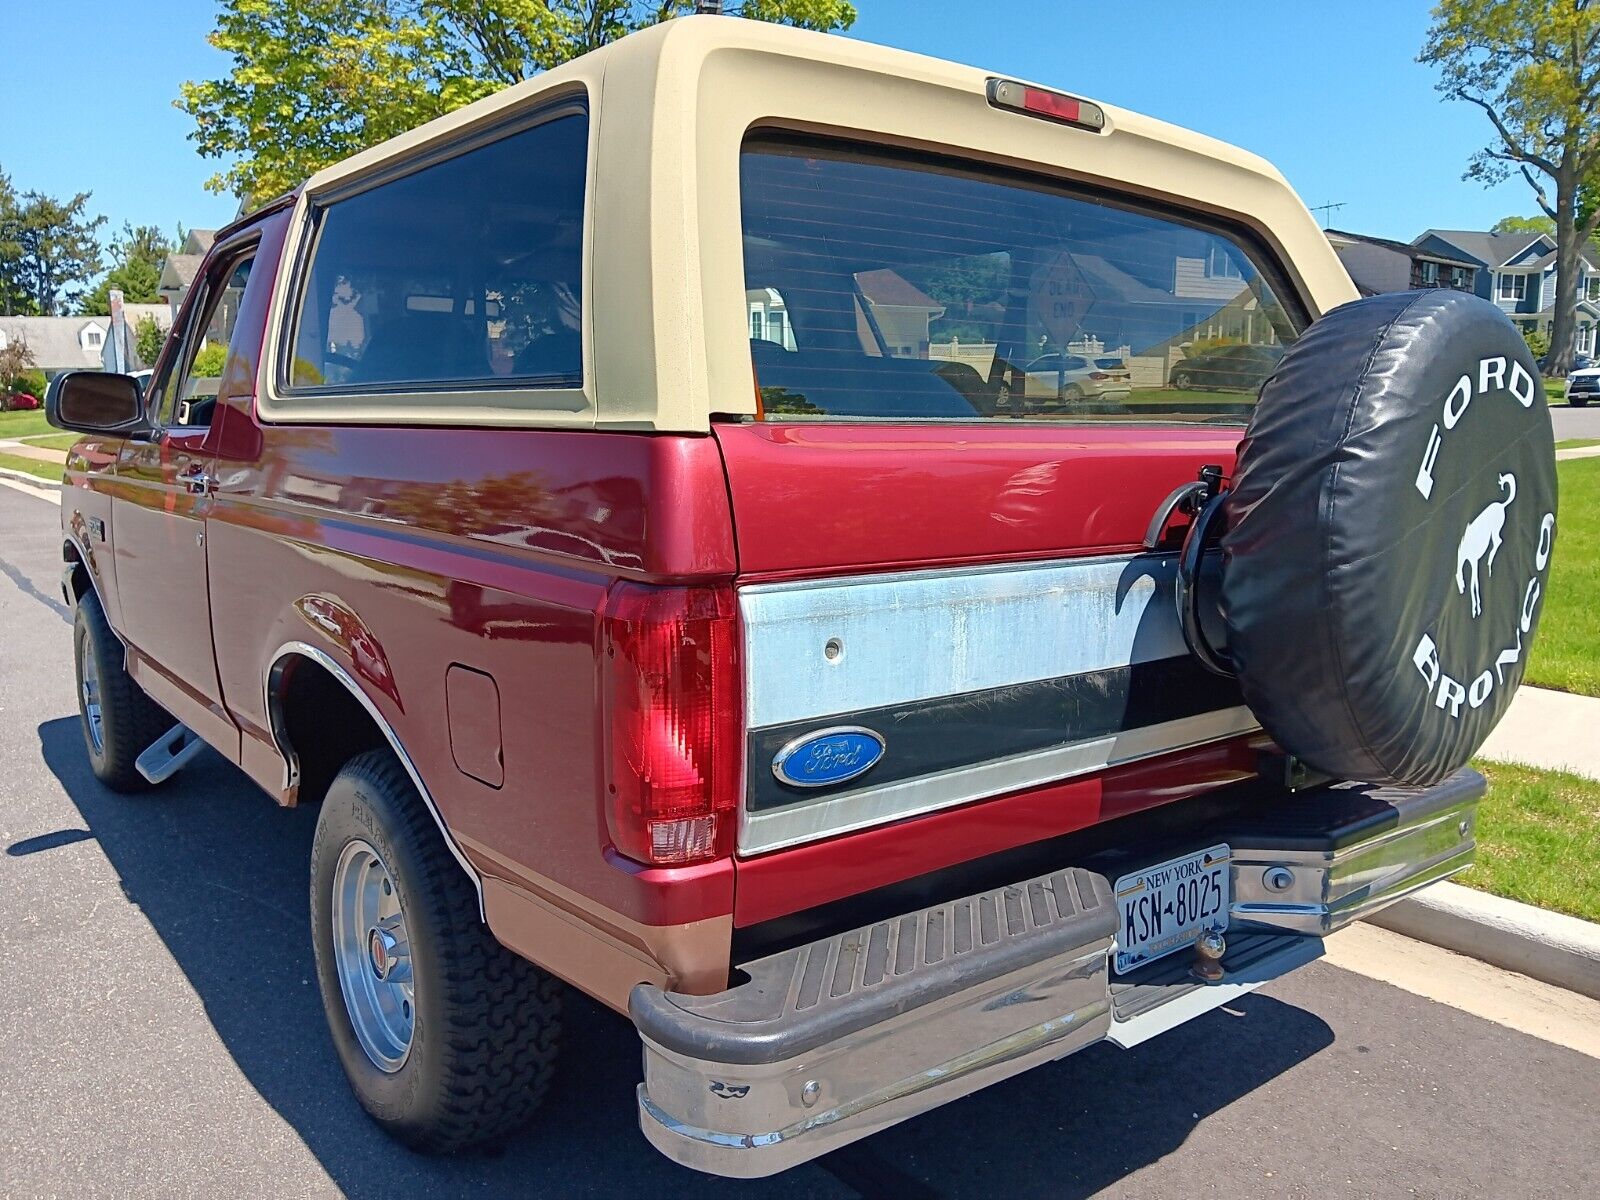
point(1078, 377)
point(1583, 385)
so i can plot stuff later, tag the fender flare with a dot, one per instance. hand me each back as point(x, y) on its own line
point(271, 683)
point(68, 538)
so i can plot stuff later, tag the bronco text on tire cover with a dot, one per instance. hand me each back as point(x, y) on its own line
point(1390, 532)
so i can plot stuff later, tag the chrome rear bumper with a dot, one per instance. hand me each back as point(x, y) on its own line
point(831, 1041)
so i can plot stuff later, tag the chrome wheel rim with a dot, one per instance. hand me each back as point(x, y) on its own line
point(373, 956)
point(89, 694)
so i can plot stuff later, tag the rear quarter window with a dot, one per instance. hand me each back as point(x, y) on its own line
point(462, 274)
point(881, 288)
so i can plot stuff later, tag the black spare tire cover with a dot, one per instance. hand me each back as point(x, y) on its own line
point(1389, 535)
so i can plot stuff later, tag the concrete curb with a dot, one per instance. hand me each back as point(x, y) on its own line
point(1553, 948)
point(24, 477)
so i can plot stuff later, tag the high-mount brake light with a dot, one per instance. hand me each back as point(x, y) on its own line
point(1052, 106)
point(671, 691)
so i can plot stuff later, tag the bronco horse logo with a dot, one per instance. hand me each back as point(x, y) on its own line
point(1482, 537)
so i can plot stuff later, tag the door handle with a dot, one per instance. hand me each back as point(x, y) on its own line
point(197, 481)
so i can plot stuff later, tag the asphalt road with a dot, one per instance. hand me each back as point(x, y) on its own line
point(160, 1034)
point(1576, 422)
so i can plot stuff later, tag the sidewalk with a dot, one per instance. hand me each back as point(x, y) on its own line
point(1553, 730)
point(1579, 452)
point(24, 450)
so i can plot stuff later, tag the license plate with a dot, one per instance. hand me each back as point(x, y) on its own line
point(1164, 908)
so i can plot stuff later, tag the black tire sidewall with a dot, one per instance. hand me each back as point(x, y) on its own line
point(358, 806)
point(129, 720)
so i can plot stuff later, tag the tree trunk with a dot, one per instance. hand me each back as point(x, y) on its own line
point(1563, 324)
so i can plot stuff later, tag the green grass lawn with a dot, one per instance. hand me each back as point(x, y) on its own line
point(32, 466)
point(53, 441)
point(1567, 654)
point(1555, 390)
point(1577, 443)
point(1539, 839)
point(21, 424)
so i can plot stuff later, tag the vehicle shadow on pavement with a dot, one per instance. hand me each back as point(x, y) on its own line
point(221, 873)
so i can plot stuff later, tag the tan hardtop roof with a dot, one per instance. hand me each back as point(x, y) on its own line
point(665, 333)
point(678, 47)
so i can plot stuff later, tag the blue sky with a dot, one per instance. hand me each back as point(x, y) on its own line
point(1328, 92)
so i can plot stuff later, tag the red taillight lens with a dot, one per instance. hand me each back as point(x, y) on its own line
point(1098, 375)
point(673, 721)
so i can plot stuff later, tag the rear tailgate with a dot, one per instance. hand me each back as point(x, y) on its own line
point(977, 597)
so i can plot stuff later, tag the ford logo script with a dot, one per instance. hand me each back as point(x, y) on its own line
point(828, 757)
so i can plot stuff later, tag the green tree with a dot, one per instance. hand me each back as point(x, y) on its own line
point(15, 359)
point(13, 295)
point(208, 363)
point(1524, 225)
point(1538, 340)
point(1533, 67)
point(139, 254)
point(314, 81)
point(49, 250)
point(147, 340)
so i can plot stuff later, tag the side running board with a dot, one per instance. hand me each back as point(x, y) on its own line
point(168, 754)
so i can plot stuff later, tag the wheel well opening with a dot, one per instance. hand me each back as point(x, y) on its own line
point(320, 726)
point(80, 570)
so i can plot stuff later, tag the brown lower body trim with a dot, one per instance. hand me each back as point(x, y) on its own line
point(601, 952)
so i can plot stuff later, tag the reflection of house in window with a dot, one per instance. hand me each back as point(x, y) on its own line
point(769, 317)
point(902, 312)
point(1220, 264)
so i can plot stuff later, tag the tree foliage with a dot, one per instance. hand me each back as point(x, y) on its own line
point(1540, 224)
point(139, 252)
point(314, 81)
point(147, 340)
point(49, 250)
point(1533, 67)
point(15, 359)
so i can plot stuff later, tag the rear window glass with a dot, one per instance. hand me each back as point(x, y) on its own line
point(462, 274)
point(882, 288)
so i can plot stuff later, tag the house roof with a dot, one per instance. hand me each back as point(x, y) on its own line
point(55, 342)
point(1498, 249)
point(198, 241)
point(887, 287)
point(180, 270)
point(1487, 249)
point(1409, 249)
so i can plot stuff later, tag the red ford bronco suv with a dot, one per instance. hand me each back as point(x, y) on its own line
point(634, 509)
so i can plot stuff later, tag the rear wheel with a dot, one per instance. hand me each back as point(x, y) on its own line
point(119, 721)
point(447, 1038)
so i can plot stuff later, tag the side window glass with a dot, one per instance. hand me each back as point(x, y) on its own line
point(462, 274)
point(198, 369)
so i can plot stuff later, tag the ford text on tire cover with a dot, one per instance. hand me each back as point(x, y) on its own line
point(885, 595)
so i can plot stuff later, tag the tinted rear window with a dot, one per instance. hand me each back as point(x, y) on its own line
point(881, 288)
point(461, 274)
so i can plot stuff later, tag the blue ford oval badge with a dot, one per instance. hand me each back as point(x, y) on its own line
point(828, 757)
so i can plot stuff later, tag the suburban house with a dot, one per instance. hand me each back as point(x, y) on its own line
point(1518, 272)
point(181, 267)
point(60, 344)
point(1378, 265)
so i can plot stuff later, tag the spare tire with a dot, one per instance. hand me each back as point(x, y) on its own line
point(1389, 533)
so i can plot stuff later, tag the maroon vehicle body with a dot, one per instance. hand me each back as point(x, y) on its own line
point(510, 541)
